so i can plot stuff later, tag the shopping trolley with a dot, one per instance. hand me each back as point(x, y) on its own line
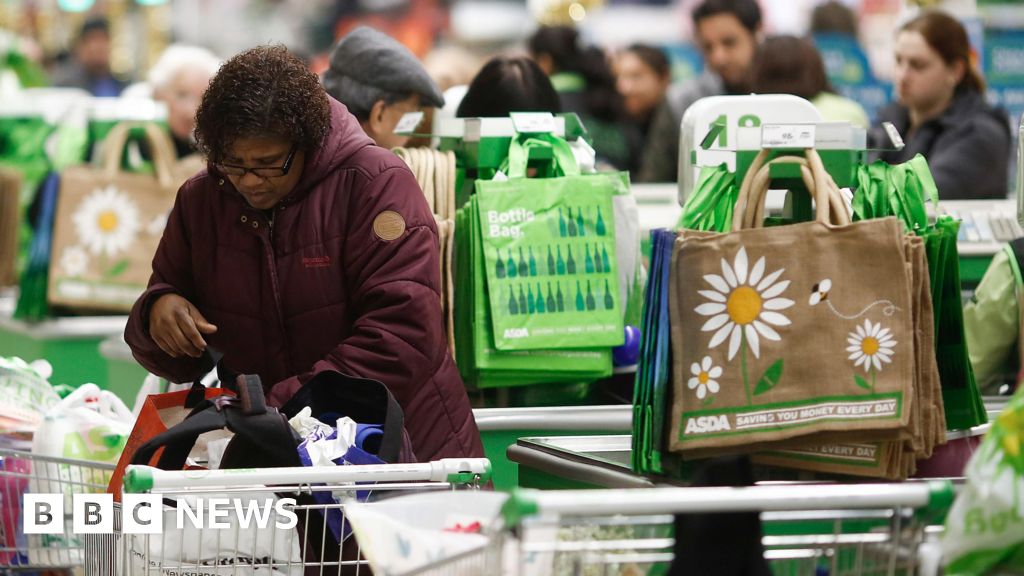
point(193, 548)
point(808, 529)
point(25, 473)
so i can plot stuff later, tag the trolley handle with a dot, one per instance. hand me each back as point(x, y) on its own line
point(140, 479)
point(933, 495)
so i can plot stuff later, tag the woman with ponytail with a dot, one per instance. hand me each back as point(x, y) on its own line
point(942, 113)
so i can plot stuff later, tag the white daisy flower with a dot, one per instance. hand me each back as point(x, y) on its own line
point(107, 221)
point(704, 375)
point(820, 292)
point(74, 261)
point(744, 303)
point(870, 346)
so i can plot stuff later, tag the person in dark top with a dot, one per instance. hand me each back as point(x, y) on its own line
point(942, 113)
point(642, 77)
point(586, 85)
point(508, 84)
point(88, 67)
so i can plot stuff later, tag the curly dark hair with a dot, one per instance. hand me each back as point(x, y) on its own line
point(264, 91)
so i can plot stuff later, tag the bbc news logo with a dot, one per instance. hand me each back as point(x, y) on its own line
point(146, 513)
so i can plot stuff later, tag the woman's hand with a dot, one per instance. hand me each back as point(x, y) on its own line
point(177, 326)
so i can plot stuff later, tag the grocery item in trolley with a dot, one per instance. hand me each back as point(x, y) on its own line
point(89, 425)
point(985, 527)
point(803, 335)
point(25, 394)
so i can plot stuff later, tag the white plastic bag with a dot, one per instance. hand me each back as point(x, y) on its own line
point(25, 393)
point(218, 551)
point(405, 533)
point(89, 425)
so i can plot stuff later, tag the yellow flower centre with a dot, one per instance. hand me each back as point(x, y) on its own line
point(744, 305)
point(108, 221)
point(869, 346)
point(703, 378)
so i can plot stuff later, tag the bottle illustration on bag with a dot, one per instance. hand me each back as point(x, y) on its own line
point(572, 224)
point(591, 303)
point(579, 222)
point(570, 264)
point(551, 300)
point(531, 304)
point(599, 227)
point(513, 306)
point(562, 230)
point(524, 271)
point(598, 265)
point(588, 262)
point(580, 306)
point(533, 264)
point(560, 299)
point(551, 263)
point(499, 268)
point(604, 258)
point(609, 302)
point(561, 263)
point(522, 300)
point(541, 308)
point(510, 266)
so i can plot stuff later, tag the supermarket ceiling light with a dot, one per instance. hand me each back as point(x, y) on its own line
point(150, 2)
point(75, 5)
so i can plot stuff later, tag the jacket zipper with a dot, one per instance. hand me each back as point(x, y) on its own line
point(268, 247)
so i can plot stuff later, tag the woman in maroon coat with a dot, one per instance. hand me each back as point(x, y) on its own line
point(303, 247)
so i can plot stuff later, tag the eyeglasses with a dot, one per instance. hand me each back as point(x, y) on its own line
point(263, 172)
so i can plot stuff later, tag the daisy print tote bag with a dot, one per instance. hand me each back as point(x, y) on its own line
point(109, 223)
point(785, 332)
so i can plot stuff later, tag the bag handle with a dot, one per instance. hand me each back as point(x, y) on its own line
point(160, 147)
point(523, 146)
point(829, 205)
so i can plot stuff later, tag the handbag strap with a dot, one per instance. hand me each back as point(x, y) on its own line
point(263, 438)
point(161, 148)
point(523, 146)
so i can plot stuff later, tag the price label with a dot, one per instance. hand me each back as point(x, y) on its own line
point(787, 136)
point(408, 122)
point(533, 122)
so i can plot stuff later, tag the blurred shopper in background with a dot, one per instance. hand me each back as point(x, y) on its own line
point(379, 80)
point(642, 77)
point(942, 113)
point(727, 32)
point(509, 84)
point(88, 67)
point(586, 85)
point(834, 17)
point(791, 65)
point(178, 79)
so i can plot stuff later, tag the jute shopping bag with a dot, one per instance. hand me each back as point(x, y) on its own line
point(108, 225)
point(790, 331)
point(10, 221)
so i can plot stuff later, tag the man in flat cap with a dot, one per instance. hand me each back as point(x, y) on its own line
point(379, 80)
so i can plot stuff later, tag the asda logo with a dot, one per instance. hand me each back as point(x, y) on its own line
point(514, 333)
point(705, 424)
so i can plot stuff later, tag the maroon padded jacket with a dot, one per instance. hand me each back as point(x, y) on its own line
point(336, 282)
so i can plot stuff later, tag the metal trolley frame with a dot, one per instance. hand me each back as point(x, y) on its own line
point(25, 473)
point(808, 529)
point(197, 549)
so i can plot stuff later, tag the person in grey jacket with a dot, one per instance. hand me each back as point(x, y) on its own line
point(727, 32)
point(942, 113)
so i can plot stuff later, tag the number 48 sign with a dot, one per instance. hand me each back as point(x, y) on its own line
point(709, 126)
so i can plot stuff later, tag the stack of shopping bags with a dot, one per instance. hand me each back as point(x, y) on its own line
point(812, 345)
point(546, 272)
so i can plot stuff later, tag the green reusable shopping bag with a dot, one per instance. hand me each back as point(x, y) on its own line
point(479, 362)
point(902, 190)
point(709, 207)
point(550, 253)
